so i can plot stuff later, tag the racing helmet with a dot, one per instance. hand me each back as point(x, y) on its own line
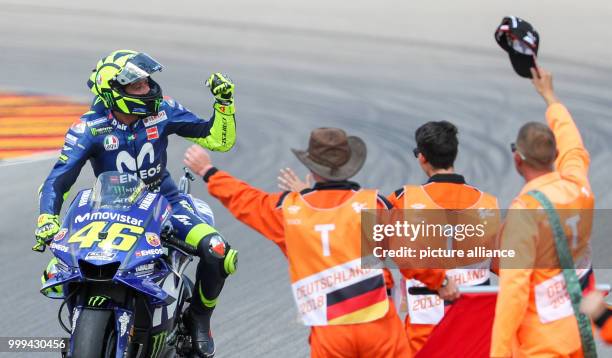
point(119, 69)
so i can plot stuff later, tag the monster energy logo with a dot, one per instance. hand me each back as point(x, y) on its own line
point(97, 301)
point(159, 341)
point(109, 98)
point(100, 131)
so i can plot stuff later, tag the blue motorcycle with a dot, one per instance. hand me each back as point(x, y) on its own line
point(120, 271)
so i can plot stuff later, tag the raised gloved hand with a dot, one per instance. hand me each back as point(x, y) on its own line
point(221, 87)
point(48, 226)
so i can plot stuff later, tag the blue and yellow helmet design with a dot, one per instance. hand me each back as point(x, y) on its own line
point(119, 69)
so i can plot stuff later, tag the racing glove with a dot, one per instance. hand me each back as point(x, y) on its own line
point(221, 87)
point(48, 226)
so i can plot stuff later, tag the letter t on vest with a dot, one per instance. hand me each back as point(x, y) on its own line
point(324, 229)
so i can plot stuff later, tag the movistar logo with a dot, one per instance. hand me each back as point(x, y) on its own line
point(125, 160)
point(97, 301)
point(106, 215)
point(159, 341)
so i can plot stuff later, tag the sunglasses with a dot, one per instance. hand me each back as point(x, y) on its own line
point(514, 149)
point(416, 152)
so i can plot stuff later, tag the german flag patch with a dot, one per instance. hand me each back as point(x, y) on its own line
point(361, 302)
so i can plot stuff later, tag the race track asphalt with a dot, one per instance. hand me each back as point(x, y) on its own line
point(376, 69)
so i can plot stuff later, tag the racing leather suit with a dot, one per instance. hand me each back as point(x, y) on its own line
point(140, 148)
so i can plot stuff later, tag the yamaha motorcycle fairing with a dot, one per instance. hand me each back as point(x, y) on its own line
point(120, 271)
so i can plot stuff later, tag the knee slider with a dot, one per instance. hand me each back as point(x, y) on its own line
point(215, 249)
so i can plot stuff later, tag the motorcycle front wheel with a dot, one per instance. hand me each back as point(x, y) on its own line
point(93, 336)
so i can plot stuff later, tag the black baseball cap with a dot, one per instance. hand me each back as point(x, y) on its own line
point(517, 37)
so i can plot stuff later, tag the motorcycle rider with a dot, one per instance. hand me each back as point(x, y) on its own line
point(127, 130)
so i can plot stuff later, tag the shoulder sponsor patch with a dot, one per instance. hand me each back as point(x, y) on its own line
point(152, 133)
point(71, 139)
point(63, 158)
point(111, 142)
point(101, 130)
point(78, 128)
point(119, 125)
point(153, 120)
point(97, 121)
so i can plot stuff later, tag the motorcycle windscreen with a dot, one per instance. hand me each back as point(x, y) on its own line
point(116, 191)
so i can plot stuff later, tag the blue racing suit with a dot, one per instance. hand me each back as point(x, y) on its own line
point(140, 148)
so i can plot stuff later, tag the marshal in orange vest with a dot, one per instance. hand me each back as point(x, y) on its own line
point(425, 311)
point(324, 253)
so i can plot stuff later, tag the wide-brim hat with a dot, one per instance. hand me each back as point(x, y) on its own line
point(332, 154)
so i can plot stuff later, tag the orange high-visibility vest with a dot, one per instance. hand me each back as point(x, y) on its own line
point(533, 314)
point(429, 309)
point(324, 253)
point(550, 299)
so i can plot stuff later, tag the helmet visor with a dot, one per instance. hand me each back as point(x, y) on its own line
point(139, 66)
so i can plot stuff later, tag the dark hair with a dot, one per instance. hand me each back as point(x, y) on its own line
point(537, 143)
point(438, 143)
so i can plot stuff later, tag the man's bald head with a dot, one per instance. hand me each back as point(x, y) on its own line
point(536, 142)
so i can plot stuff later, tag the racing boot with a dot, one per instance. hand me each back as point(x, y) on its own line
point(217, 262)
point(198, 324)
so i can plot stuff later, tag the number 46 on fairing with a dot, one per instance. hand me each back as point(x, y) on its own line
point(126, 234)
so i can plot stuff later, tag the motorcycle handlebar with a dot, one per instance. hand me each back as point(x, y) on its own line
point(171, 240)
